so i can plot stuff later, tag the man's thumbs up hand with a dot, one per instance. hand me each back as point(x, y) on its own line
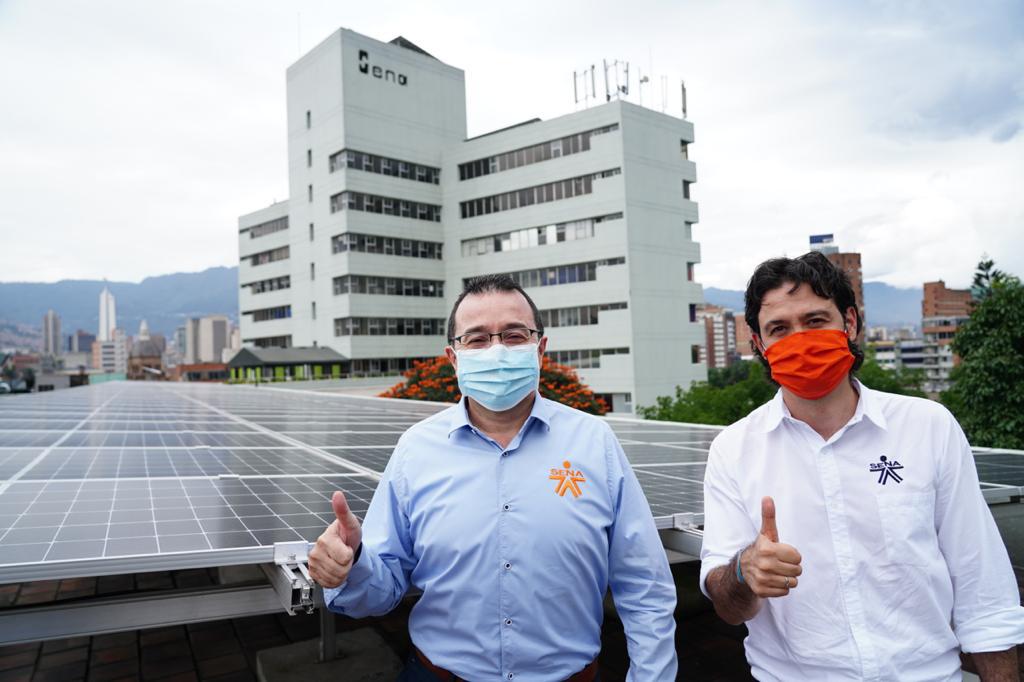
point(332, 556)
point(770, 568)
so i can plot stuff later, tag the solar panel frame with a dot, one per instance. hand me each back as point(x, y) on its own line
point(138, 439)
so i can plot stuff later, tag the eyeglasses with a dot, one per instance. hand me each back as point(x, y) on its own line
point(517, 336)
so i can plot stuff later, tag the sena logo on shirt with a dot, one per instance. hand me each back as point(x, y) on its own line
point(569, 480)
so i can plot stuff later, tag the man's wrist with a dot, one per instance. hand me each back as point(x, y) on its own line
point(739, 567)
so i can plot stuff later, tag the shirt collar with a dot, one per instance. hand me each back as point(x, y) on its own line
point(867, 406)
point(543, 410)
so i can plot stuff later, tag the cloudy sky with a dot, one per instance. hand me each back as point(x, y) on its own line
point(134, 133)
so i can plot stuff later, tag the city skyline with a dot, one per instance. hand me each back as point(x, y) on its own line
point(888, 126)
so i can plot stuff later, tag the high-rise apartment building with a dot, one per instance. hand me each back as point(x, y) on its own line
point(943, 310)
point(719, 350)
point(111, 356)
point(391, 209)
point(206, 338)
point(848, 263)
point(51, 334)
point(108, 316)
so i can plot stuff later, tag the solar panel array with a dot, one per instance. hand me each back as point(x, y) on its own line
point(127, 477)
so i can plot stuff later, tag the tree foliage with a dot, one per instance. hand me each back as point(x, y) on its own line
point(732, 393)
point(729, 395)
point(987, 393)
point(435, 380)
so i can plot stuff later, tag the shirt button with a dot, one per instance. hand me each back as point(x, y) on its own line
point(511, 675)
point(508, 621)
point(505, 454)
point(506, 507)
point(508, 566)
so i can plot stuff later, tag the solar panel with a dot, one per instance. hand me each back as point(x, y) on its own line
point(128, 477)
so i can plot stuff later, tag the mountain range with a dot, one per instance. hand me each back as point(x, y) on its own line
point(166, 301)
point(884, 305)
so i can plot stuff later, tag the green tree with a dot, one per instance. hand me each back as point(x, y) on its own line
point(985, 277)
point(704, 403)
point(987, 393)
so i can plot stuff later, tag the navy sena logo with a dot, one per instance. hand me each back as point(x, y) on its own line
point(378, 72)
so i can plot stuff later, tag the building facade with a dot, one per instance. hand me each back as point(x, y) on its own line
point(943, 310)
point(111, 357)
point(392, 209)
point(720, 346)
point(206, 338)
point(108, 316)
point(51, 334)
point(849, 263)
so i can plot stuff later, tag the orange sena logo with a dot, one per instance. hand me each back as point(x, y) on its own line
point(569, 480)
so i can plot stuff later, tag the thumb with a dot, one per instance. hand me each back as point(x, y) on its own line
point(768, 528)
point(347, 521)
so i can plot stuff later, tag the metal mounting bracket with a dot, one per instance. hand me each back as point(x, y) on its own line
point(290, 577)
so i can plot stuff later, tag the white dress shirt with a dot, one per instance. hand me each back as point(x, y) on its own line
point(903, 565)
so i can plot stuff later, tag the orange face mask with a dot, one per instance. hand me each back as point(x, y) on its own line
point(810, 363)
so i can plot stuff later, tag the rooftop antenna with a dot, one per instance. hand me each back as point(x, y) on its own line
point(580, 91)
point(607, 91)
point(640, 87)
point(682, 85)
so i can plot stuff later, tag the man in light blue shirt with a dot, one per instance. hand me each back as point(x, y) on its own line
point(513, 514)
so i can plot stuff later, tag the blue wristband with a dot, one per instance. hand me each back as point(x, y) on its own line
point(739, 570)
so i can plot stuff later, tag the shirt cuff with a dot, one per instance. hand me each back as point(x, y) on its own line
point(995, 631)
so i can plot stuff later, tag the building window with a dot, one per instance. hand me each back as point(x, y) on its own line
point(269, 256)
point(684, 149)
point(695, 351)
point(309, 119)
point(264, 314)
point(312, 271)
point(389, 246)
point(266, 228)
point(693, 312)
point(686, 189)
point(575, 316)
point(535, 236)
point(583, 359)
point(388, 286)
point(388, 326)
point(309, 158)
point(552, 149)
point(272, 284)
point(314, 309)
point(270, 341)
point(311, 193)
point(311, 232)
point(371, 203)
point(560, 274)
point(539, 194)
point(371, 163)
point(689, 272)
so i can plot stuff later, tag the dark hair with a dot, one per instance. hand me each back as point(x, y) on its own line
point(486, 284)
point(814, 270)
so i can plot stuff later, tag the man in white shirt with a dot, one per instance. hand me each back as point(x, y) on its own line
point(846, 526)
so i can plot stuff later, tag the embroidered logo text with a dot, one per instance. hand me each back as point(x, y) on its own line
point(887, 470)
point(569, 480)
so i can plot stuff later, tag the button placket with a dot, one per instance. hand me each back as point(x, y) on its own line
point(835, 508)
point(504, 589)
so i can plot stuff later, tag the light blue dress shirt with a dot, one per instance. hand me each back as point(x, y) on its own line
point(514, 549)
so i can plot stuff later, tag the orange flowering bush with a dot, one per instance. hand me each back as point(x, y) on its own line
point(435, 380)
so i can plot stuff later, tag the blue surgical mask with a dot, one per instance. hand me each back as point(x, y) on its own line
point(498, 377)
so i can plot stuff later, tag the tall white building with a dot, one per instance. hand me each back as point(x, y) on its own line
point(111, 355)
point(51, 334)
point(108, 316)
point(206, 338)
point(392, 209)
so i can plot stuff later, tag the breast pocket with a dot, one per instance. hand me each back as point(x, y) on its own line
point(908, 525)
